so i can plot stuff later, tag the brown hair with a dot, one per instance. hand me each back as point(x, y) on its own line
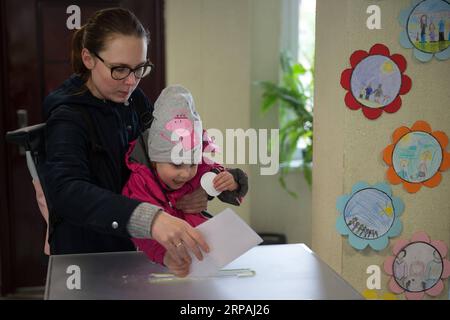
point(102, 25)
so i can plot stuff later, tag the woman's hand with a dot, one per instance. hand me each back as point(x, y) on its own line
point(193, 202)
point(224, 181)
point(178, 269)
point(177, 236)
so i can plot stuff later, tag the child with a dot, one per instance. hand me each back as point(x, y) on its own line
point(432, 29)
point(167, 164)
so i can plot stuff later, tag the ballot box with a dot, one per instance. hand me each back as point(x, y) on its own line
point(265, 272)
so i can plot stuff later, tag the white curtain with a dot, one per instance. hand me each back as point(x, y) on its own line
point(289, 27)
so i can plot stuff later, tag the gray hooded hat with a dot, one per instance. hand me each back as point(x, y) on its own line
point(175, 135)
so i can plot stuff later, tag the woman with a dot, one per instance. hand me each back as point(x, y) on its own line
point(84, 178)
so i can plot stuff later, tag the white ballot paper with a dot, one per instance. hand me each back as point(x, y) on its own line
point(228, 237)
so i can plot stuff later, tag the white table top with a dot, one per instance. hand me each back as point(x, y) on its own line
point(283, 272)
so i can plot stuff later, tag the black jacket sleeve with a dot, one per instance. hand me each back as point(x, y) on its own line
point(71, 189)
point(235, 197)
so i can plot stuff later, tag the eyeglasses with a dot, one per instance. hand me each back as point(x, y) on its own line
point(121, 72)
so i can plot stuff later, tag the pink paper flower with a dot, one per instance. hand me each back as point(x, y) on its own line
point(417, 267)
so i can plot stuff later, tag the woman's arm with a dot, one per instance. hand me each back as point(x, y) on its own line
point(166, 229)
point(70, 187)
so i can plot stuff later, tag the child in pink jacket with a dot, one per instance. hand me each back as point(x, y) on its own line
point(167, 163)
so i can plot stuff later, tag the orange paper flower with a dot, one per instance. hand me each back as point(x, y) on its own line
point(416, 157)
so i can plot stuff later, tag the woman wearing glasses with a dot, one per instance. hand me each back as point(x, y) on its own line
point(83, 178)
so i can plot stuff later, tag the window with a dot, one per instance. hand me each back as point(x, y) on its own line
point(306, 32)
point(298, 40)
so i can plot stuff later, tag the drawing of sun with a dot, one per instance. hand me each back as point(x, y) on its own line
point(375, 81)
point(369, 216)
point(417, 266)
point(388, 67)
point(416, 157)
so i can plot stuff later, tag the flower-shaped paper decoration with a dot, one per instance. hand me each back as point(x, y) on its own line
point(375, 81)
point(369, 215)
point(426, 29)
point(416, 157)
point(417, 267)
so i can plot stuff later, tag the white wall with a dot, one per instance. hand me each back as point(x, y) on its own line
point(217, 49)
point(273, 209)
point(208, 51)
point(348, 147)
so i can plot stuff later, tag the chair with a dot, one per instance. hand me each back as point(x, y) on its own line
point(31, 138)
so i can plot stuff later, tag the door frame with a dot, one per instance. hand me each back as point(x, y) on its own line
point(7, 272)
point(5, 240)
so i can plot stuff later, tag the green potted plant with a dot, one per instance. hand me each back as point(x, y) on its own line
point(294, 98)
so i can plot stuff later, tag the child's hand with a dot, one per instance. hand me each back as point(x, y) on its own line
point(178, 269)
point(224, 181)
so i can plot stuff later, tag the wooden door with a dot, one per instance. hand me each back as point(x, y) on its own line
point(35, 59)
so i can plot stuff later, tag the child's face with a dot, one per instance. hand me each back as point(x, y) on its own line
point(175, 176)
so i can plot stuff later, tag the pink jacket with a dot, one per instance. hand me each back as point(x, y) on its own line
point(142, 186)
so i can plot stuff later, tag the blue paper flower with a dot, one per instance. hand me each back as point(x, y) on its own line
point(369, 215)
point(425, 29)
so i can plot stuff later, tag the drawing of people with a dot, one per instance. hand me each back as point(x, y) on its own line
point(403, 173)
point(441, 27)
point(361, 92)
point(422, 169)
point(363, 230)
point(352, 221)
point(432, 34)
point(378, 93)
point(360, 226)
point(368, 91)
point(400, 268)
point(355, 224)
point(448, 27)
point(415, 280)
point(434, 270)
point(423, 27)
